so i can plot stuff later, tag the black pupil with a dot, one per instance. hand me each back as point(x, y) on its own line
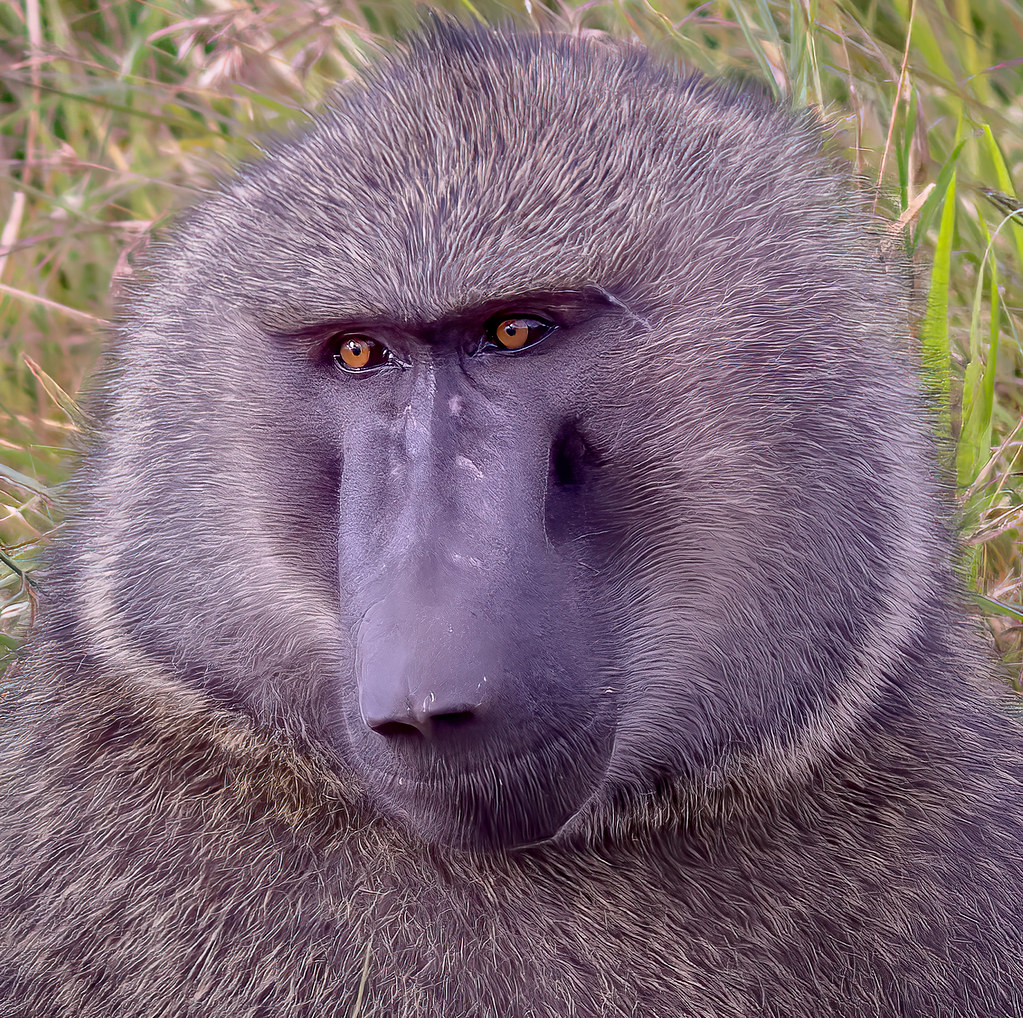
point(356, 348)
point(511, 328)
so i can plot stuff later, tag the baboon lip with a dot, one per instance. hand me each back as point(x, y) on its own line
point(503, 807)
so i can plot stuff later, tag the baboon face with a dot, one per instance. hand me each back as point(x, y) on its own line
point(511, 436)
point(469, 534)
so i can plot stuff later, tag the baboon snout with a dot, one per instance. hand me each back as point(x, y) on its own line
point(423, 671)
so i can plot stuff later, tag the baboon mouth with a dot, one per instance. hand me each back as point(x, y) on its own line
point(498, 806)
point(477, 822)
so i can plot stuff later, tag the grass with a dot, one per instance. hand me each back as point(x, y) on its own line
point(114, 114)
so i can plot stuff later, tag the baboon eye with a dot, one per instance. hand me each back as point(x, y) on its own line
point(360, 354)
point(516, 333)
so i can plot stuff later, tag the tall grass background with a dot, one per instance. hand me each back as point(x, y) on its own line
point(114, 114)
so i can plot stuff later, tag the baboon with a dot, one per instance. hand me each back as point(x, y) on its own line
point(514, 581)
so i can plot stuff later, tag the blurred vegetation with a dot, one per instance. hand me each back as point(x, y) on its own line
point(113, 114)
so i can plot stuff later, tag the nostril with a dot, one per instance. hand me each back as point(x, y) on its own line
point(419, 726)
point(396, 730)
point(454, 719)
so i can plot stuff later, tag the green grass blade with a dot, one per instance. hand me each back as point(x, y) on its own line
point(935, 353)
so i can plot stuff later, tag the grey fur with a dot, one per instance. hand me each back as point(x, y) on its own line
point(812, 805)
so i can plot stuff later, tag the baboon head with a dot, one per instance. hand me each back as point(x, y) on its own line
point(527, 436)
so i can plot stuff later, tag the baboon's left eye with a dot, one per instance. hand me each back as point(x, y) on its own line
point(516, 333)
point(360, 354)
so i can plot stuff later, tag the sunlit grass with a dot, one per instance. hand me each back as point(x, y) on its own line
point(114, 115)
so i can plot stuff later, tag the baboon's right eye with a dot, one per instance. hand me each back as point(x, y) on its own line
point(360, 355)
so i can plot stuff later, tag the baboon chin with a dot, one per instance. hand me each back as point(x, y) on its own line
point(512, 579)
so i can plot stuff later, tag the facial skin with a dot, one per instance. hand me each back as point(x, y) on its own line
point(468, 524)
